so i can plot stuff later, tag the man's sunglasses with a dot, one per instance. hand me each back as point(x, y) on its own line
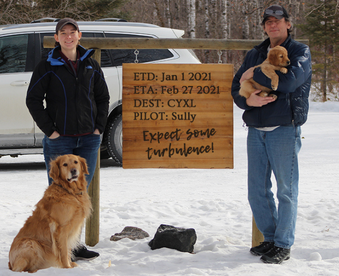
point(271, 12)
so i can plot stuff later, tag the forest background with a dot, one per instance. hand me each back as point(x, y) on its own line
point(316, 20)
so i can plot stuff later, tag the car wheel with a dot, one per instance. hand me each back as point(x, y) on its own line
point(114, 138)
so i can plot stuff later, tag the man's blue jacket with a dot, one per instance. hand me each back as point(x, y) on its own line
point(292, 104)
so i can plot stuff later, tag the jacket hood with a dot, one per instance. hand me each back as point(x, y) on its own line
point(55, 59)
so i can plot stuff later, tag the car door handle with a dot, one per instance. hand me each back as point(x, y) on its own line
point(20, 83)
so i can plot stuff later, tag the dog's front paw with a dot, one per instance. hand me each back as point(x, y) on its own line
point(283, 70)
point(263, 94)
point(273, 96)
point(274, 83)
point(73, 264)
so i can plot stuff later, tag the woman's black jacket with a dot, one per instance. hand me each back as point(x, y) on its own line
point(71, 104)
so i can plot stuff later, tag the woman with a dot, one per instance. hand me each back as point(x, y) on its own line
point(73, 88)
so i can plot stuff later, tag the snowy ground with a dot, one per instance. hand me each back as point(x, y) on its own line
point(214, 202)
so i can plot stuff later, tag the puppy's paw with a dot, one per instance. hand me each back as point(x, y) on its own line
point(73, 264)
point(275, 83)
point(283, 70)
point(263, 94)
point(273, 96)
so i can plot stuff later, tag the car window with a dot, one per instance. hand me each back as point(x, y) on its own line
point(105, 57)
point(120, 56)
point(13, 53)
point(44, 51)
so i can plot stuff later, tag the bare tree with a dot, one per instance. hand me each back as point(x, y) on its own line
point(224, 17)
point(191, 17)
point(168, 13)
point(245, 20)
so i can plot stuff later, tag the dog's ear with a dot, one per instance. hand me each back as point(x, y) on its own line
point(83, 165)
point(273, 57)
point(54, 171)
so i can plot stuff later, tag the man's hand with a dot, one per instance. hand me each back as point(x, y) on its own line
point(257, 101)
point(247, 74)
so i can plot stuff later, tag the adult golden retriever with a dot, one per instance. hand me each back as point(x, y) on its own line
point(53, 230)
point(277, 59)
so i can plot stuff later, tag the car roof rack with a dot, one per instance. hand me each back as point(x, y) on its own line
point(58, 19)
point(46, 19)
point(112, 19)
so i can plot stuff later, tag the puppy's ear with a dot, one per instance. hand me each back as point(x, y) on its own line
point(273, 57)
point(54, 171)
point(83, 165)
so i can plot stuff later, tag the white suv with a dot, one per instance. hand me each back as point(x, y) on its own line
point(21, 48)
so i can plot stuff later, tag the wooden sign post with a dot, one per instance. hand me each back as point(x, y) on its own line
point(93, 222)
point(177, 116)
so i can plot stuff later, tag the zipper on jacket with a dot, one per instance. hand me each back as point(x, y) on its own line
point(75, 72)
point(71, 69)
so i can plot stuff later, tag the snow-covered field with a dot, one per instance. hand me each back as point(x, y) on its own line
point(213, 202)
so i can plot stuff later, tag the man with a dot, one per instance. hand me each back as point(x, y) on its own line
point(273, 140)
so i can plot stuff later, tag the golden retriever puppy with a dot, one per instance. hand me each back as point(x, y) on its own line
point(277, 59)
point(53, 230)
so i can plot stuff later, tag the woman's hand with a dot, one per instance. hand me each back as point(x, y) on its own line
point(96, 131)
point(54, 135)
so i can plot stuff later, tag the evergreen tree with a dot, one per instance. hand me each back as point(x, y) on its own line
point(321, 27)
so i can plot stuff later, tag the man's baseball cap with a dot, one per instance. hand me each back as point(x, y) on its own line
point(276, 11)
point(64, 22)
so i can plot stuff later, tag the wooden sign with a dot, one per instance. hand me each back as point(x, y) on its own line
point(177, 116)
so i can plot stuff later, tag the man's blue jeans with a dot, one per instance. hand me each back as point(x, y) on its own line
point(275, 151)
point(86, 146)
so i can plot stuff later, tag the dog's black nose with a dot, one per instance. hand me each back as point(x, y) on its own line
point(288, 62)
point(73, 171)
